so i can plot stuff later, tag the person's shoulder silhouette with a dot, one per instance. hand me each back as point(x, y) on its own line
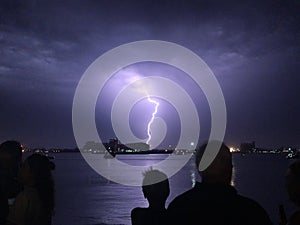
point(156, 190)
point(214, 200)
point(293, 188)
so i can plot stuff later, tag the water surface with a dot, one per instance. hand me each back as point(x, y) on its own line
point(85, 198)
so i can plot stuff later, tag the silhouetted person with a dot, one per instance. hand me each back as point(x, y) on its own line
point(10, 161)
point(156, 190)
point(293, 189)
point(35, 204)
point(214, 200)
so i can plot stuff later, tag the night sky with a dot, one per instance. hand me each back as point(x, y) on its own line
point(253, 48)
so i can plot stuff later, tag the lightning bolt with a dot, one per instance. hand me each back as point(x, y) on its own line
point(152, 118)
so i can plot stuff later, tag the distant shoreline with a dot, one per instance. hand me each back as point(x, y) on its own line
point(147, 152)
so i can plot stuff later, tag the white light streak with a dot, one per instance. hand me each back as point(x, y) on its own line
point(152, 118)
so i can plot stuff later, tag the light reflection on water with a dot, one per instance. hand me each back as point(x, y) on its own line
point(85, 198)
point(193, 177)
point(233, 176)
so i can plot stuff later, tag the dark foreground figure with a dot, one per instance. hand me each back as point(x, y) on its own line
point(156, 190)
point(215, 201)
point(10, 187)
point(293, 189)
point(35, 204)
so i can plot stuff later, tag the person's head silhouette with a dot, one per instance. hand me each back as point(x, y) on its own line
point(156, 190)
point(220, 170)
point(156, 187)
point(215, 200)
point(10, 154)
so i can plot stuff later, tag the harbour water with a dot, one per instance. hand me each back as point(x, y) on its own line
point(83, 197)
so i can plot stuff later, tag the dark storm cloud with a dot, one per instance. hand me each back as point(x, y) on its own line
point(251, 46)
